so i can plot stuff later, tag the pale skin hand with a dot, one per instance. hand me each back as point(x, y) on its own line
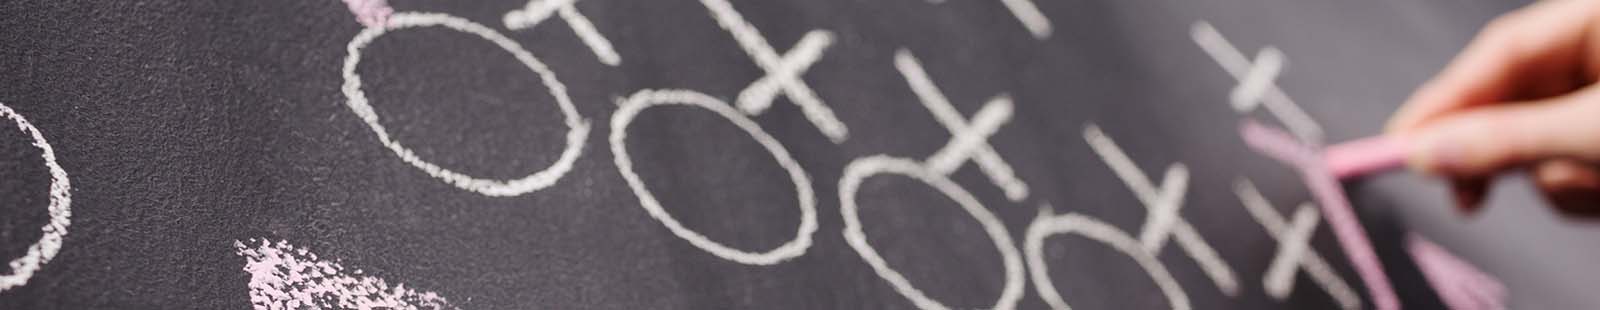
point(1521, 95)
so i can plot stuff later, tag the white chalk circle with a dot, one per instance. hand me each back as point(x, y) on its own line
point(862, 168)
point(644, 99)
point(1073, 224)
point(578, 128)
point(60, 210)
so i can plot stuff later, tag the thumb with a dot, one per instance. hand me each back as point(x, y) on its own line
point(1487, 139)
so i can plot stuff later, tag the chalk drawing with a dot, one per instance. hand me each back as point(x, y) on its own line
point(632, 106)
point(578, 128)
point(1162, 218)
point(1294, 249)
point(59, 209)
point(1335, 207)
point(1247, 95)
point(969, 139)
point(1256, 81)
point(862, 168)
point(1047, 224)
point(1031, 18)
point(1026, 12)
point(1459, 284)
point(783, 72)
point(370, 13)
point(538, 10)
point(285, 277)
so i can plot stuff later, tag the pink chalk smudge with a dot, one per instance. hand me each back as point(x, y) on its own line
point(285, 277)
point(1365, 156)
point(370, 13)
point(1335, 207)
point(1460, 285)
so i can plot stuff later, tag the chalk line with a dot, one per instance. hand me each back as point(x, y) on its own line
point(1273, 98)
point(783, 71)
point(578, 128)
point(969, 140)
point(1460, 285)
point(1046, 224)
point(1028, 13)
point(630, 108)
point(864, 167)
point(1324, 186)
point(1277, 284)
point(539, 10)
point(285, 277)
point(1162, 218)
point(59, 209)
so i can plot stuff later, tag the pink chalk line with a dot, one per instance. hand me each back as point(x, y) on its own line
point(1459, 285)
point(1335, 207)
point(370, 13)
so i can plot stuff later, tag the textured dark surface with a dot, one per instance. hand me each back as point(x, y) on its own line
point(187, 125)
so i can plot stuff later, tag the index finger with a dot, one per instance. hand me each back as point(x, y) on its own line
point(1511, 52)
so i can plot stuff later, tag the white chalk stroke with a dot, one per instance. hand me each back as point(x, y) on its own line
point(865, 167)
point(285, 277)
point(539, 10)
point(968, 139)
point(1294, 249)
point(1162, 218)
point(783, 72)
point(631, 107)
point(1255, 82)
point(578, 128)
point(1026, 12)
point(1047, 224)
point(59, 209)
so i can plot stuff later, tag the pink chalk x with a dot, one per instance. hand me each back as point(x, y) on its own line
point(1365, 156)
point(1459, 284)
point(1336, 209)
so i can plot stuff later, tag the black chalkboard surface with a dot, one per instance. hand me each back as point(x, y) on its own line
point(712, 154)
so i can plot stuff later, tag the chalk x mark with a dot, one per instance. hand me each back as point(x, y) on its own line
point(969, 138)
point(783, 72)
point(1162, 218)
point(1293, 239)
point(1336, 208)
point(539, 10)
point(1255, 82)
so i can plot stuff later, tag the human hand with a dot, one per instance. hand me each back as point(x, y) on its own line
point(1521, 95)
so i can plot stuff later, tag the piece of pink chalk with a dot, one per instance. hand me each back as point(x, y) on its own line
point(1365, 156)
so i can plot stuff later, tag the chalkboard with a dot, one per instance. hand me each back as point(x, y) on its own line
point(715, 154)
